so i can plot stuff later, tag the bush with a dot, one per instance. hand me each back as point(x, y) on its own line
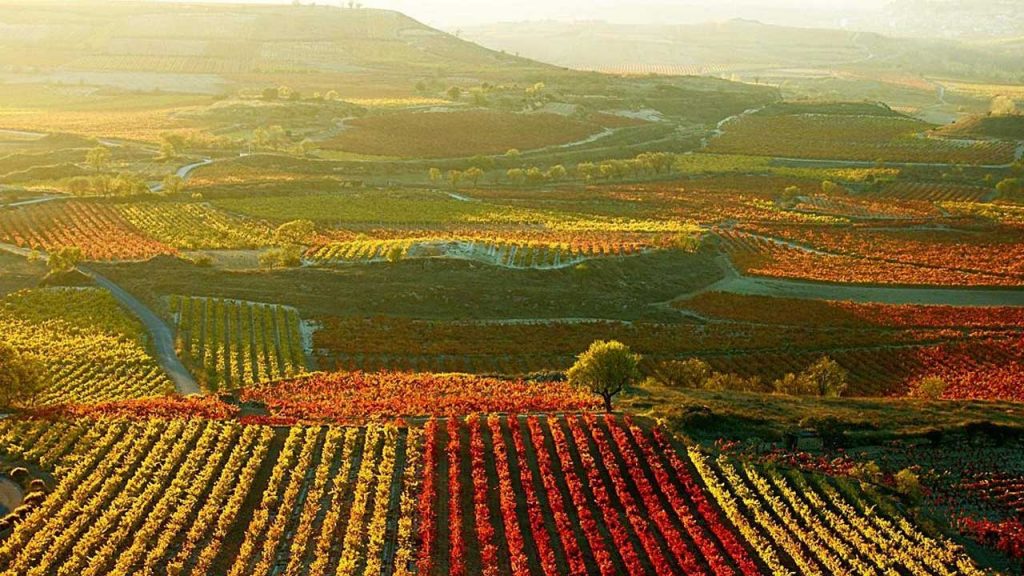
point(824, 378)
point(929, 388)
point(691, 373)
point(719, 381)
point(867, 472)
point(909, 485)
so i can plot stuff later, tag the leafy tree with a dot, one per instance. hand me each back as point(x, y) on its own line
point(606, 368)
point(435, 175)
point(454, 177)
point(789, 195)
point(395, 253)
point(557, 172)
point(474, 174)
point(825, 378)
point(454, 93)
point(535, 175)
point(64, 259)
point(294, 232)
point(586, 170)
point(513, 154)
point(20, 377)
point(830, 187)
point(484, 163)
point(1008, 188)
point(285, 256)
point(691, 373)
point(723, 381)
point(167, 150)
point(516, 175)
point(98, 158)
point(172, 184)
point(908, 484)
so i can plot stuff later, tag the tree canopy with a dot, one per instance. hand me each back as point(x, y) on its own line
point(20, 377)
point(606, 368)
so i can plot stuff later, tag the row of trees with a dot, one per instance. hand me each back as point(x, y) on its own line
point(608, 368)
point(825, 378)
point(648, 163)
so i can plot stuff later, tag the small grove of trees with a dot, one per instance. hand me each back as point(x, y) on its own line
point(289, 236)
point(695, 373)
point(282, 257)
point(98, 158)
point(106, 185)
point(823, 378)
point(648, 163)
point(606, 368)
point(1010, 188)
point(172, 184)
point(21, 377)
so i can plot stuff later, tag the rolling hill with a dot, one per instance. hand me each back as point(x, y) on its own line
point(211, 48)
point(742, 46)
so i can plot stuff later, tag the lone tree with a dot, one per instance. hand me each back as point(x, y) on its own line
point(172, 184)
point(64, 259)
point(20, 377)
point(98, 158)
point(825, 378)
point(606, 368)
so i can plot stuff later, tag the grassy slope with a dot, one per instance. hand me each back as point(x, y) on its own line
point(611, 288)
point(868, 421)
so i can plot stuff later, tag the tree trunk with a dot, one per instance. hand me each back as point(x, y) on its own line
point(607, 402)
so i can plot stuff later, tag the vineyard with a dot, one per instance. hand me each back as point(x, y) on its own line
point(100, 230)
point(479, 494)
point(852, 137)
point(233, 343)
point(91, 349)
point(468, 133)
point(510, 254)
point(196, 227)
point(134, 498)
point(346, 397)
point(849, 255)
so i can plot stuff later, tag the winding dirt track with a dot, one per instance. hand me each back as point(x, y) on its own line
point(736, 283)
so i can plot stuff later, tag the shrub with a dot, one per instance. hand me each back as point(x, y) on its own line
point(930, 388)
point(691, 373)
point(909, 485)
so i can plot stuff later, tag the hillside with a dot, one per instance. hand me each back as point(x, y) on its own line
point(210, 48)
point(740, 46)
point(999, 127)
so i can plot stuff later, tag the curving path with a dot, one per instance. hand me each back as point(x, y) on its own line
point(161, 335)
point(184, 172)
point(737, 283)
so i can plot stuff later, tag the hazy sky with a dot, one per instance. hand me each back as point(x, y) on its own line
point(450, 14)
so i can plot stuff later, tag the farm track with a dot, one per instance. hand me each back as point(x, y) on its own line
point(160, 335)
